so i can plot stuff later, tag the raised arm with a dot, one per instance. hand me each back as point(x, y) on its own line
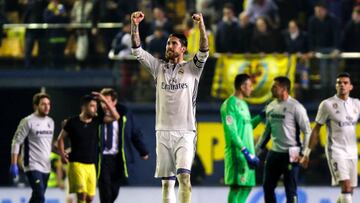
point(150, 62)
point(136, 18)
point(204, 43)
point(114, 115)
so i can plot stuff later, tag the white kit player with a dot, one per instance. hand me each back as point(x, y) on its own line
point(35, 133)
point(176, 90)
point(340, 113)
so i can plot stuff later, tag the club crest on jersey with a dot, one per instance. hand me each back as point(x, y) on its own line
point(335, 105)
point(229, 120)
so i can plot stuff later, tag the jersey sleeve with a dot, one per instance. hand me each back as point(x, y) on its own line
point(21, 133)
point(151, 63)
point(228, 115)
point(357, 104)
point(322, 114)
point(265, 137)
point(255, 121)
point(198, 62)
point(303, 121)
point(68, 126)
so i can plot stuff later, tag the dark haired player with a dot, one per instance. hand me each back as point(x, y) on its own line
point(339, 114)
point(176, 89)
point(82, 130)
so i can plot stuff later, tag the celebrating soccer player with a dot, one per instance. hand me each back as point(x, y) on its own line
point(176, 89)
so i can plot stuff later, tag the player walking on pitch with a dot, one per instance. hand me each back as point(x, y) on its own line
point(240, 160)
point(176, 89)
point(35, 132)
point(285, 117)
point(340, 113)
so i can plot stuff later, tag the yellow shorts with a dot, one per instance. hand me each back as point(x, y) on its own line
point(82, 178)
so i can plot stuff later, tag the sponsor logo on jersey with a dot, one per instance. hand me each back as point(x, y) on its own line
point(174, 86)
point(277, 116)
point(346, 123)
point(44, 132)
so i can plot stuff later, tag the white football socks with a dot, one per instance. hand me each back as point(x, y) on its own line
point(346, 198)
point(184, 188)
point(168, 191)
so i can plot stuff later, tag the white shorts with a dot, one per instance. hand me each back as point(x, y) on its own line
point(174, 150)
point(343, 169)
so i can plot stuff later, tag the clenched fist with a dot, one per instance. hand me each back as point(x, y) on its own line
point(197, 17)
point(137, 17)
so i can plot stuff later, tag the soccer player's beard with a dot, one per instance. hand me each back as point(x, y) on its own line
point(90, 114)
point(42, 113)
point(171, 56)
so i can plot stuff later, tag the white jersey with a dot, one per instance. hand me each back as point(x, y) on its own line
point(340, 118)
point(284, 120)
point(36, 134)
point(176, 89)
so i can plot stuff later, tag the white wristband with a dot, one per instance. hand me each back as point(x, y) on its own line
point(307, 152)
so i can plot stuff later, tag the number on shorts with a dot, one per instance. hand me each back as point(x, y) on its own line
point(335, 166)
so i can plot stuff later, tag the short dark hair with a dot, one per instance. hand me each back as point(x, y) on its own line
point(182, 38)
point(229, 6)
point(284, 82)
point(344, 75)
point(240, 79)
point(109, 92)
point(39, 96)
point(322, 3)
point(86, 99)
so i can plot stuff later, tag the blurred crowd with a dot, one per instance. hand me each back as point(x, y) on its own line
point(234, 26)
point(303, 27)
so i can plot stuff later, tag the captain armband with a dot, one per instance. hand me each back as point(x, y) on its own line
point(200, 58)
